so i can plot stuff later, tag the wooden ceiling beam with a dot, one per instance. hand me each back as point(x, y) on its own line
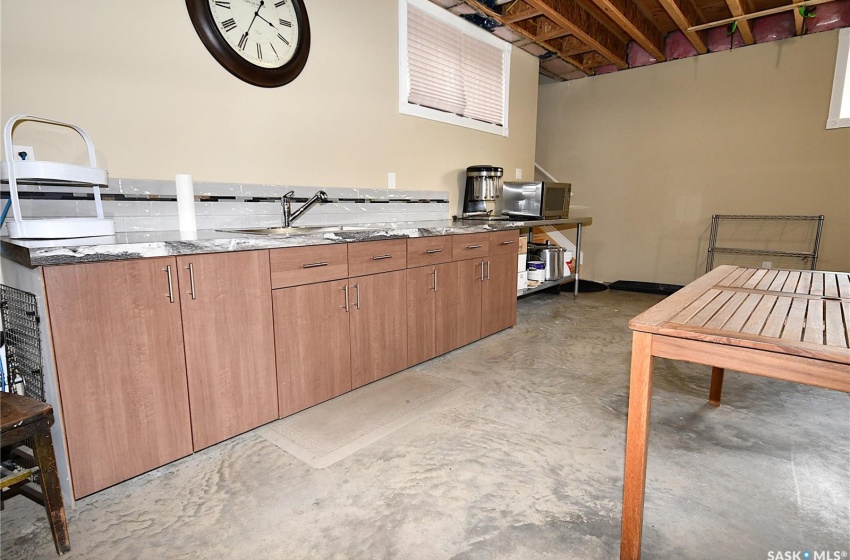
point(743, 25)
point(627, 15)
point(684, 14)
point(798, 22)
point(580, 23)
point(518, 11)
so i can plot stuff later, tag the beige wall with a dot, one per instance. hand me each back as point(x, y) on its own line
point(136, 77)
point(655, 151)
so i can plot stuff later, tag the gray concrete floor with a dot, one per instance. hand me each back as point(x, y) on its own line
point(528, 466)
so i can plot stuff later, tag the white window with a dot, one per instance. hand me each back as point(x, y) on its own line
point(839, 106)
point(450, 70)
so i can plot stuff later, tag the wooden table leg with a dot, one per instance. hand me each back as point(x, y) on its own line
point(634, 480)
point(716, 386)
point(52, 492)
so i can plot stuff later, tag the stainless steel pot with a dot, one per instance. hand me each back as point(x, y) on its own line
point(553, 259)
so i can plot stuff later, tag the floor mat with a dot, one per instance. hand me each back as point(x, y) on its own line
point(322, 435)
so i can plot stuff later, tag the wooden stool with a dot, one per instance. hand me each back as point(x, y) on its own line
point(22, 418)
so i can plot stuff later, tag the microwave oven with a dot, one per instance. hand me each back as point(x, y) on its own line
point(536, 199)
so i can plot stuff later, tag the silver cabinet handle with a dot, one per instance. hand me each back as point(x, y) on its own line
point(488, 270)
point(191, 280)
point(314, 265)
point(432, 251)
point(473, 246)
point(357, 295)
point(481, 276)
point(170, 295)
point(435, 279)
point(345, 289)
point(381, 257)
point(506, 242)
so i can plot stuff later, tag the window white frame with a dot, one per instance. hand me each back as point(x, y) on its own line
point(839, 106)
point(467, 28)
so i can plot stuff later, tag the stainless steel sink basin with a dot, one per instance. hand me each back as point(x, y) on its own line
point(304, 230)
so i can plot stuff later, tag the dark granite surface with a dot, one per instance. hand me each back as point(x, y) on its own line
point(134, 245)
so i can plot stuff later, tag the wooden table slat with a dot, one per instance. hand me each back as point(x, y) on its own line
point(744, 277)
point(685, 315)
point(805, 283)
point(776, 321)
point(817, 284)
point(767, 280)
point(727, 311)
point(846, 308)
point(790, 285)
point(830, 284)
point(729, 278)
point(707, 312)
point(779, 281)
point(844, 286)
point(836, 334)
point(814, 322)
point(736, 323)
point(756, 278)
point(756, 321)
point(795, 321)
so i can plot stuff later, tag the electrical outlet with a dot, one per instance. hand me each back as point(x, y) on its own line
point(518, 173)
point(390, 180)
point(766, 264)
point(22, 153)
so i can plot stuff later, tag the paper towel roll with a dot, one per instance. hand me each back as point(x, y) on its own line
point(185, 203)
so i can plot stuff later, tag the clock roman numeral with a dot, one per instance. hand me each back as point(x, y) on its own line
point(274, 49)
point(243, 41)
point(222, 4)
point(279, 4)
point(285, 23)
point(282, 38)
point(228, 24)
point(259, 51)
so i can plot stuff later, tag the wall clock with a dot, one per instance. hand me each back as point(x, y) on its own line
point(263, 42)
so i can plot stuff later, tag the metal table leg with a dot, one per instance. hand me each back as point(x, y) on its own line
point(578, 259)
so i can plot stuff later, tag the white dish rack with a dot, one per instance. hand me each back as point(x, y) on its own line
point(50, 173)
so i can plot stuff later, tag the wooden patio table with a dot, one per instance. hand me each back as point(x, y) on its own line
point(785, 324)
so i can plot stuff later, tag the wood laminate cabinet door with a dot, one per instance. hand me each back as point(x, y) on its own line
point(378, 326)
point(498, 293)
point(448, 321)
point(118, 344)
point(421, 315)
point(226, 299)
point(464, 321)
point(312, 344)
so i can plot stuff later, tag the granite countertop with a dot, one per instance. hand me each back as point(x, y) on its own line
point(135, 245)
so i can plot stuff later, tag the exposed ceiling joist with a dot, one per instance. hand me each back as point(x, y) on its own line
point(753, 15)
point(580, 23)
point(626, 14)
point(798, 22)
point(743, 25)
point(568, 46)
point(684, 14)
point(518, 11)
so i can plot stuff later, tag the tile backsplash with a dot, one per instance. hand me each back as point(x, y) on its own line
point(150, 205)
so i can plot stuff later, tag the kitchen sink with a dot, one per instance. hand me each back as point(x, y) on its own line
point(303, 230)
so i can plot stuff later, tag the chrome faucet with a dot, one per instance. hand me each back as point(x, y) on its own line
point(286, 202)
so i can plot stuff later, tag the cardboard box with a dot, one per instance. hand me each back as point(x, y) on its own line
point(522, 259)
point(521, 280)
point(523, 244)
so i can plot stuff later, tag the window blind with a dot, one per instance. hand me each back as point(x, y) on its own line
point(452, 71)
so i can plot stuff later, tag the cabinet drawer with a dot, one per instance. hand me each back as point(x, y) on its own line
point(371, 257)
point(305, 265)
point(504, 241)
point(470, 245)
point(423, 251)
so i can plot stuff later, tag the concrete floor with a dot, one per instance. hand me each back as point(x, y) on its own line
point(528, 466)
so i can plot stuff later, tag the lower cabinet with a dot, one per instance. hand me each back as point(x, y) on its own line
point(229, 335)
point(378, 326)
point(430, 301)
point(118, 348)
point(312, 342)
point(498, 295)
point(463, 321)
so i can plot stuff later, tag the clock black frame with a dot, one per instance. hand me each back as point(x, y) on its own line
point(205, 25)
